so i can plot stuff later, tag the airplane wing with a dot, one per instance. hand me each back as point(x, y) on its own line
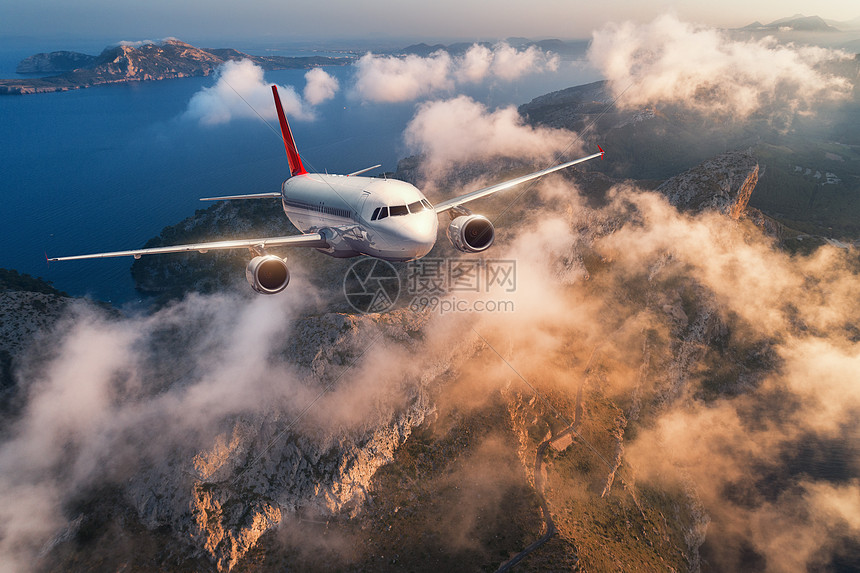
point(457, 201)
point(308, 240)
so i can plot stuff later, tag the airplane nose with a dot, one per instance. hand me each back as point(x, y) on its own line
point(419, 231)
point(426, 228)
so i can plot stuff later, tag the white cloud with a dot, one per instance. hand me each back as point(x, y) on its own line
point(461, 130)
point(392, 79)
point(668, 61)
point(395, 79)
point(240, 92)
point(510, 63)
point(139, 43)
point(320, 86)
point(475, 64)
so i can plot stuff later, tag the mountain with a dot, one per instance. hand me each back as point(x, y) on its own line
point(849, 25)
point(797, 23)
point(786, 19)
point(148, 62)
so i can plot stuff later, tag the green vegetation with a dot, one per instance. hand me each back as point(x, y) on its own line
point(811, 185)
point(12, 280)
point(810, 179)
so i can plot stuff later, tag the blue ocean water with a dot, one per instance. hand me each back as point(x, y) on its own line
point(106, 168)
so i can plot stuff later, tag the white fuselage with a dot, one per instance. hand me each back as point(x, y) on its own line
point(384, 218)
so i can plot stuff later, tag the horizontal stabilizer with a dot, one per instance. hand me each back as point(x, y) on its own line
point(364, 170)
point(253, 196)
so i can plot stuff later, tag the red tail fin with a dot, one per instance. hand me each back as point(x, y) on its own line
point(296, 167)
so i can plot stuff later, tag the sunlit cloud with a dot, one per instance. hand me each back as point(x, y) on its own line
point(454, 132)
point(668, 61)
point(396, 79)
point(320, 86)
point(241, 92)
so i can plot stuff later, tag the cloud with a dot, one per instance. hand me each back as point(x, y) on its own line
point(475, 65)
point(460, 130)
point(395, 79)
point(508, 63)
point(391, 79)
point(139, 43)
point(772, 332)
point(320, 86)
point(240, 92)
point(668, 61)
point(734, 362)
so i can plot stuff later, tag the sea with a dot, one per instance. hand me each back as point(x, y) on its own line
point(106, 168)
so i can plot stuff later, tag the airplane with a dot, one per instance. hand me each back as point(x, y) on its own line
point(349, 216)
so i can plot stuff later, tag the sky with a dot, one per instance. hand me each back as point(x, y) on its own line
point(343, 19)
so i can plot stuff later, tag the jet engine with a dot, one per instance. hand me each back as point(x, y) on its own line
point(268, 274)
point(471, 233)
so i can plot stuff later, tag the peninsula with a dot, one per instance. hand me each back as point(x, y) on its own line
point(148, 62)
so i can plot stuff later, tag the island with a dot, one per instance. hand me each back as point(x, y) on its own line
point(148, 62)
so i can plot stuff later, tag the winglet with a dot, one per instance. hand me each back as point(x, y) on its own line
point(602, 153)
point(296, 167)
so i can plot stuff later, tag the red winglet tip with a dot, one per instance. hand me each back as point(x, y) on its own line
point(47, 260)
point(602, 153)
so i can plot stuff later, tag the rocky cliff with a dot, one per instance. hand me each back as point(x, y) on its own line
point(28, 308)
point(724, 183)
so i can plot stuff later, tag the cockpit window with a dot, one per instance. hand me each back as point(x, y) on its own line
point(427, 204)
point(375, 214)
point(398, 210)
point(383, 213)
point(416, 207)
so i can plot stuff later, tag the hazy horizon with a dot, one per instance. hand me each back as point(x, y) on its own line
point(264, 21)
